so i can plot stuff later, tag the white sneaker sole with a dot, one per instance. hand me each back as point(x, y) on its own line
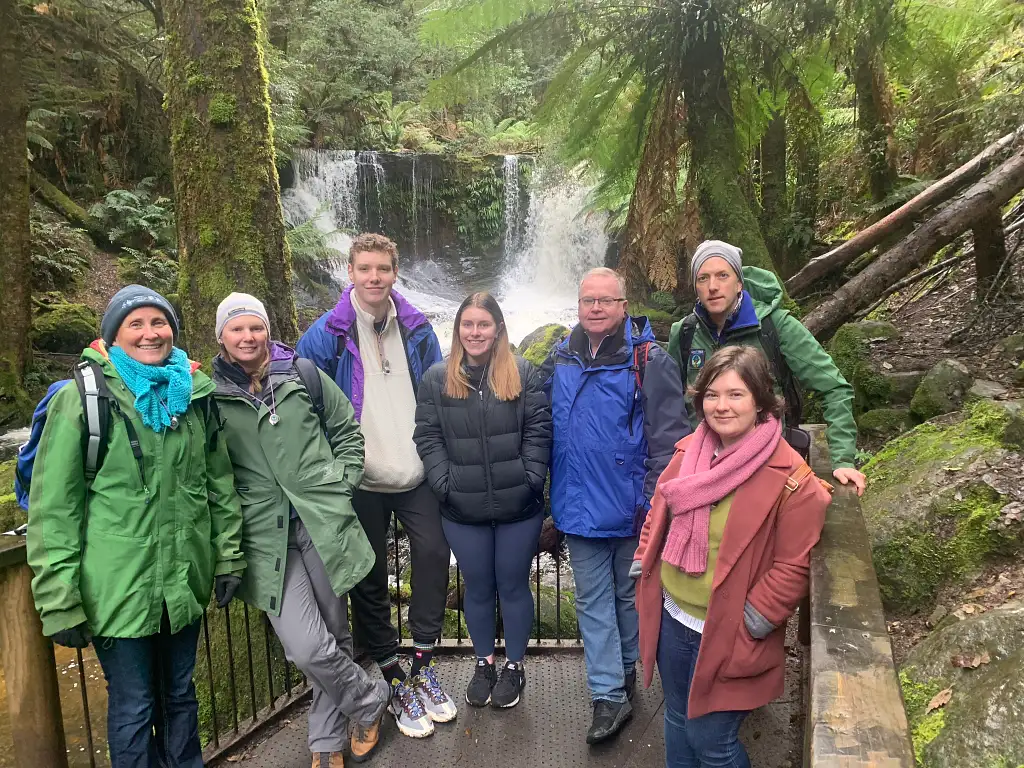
point(505, 706)
point(438, 717)
point(412, 733)
point(470, 703)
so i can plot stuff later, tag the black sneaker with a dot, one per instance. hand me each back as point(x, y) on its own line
point(609, 717)
point(510, 684)
point(631, 683)
point(478, 694)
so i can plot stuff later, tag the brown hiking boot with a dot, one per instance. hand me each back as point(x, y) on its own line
point(328, 760)
point(364, 738)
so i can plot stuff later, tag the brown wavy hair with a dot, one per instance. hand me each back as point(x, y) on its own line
point(752, 366)
point(502, 372)
point(371, 242)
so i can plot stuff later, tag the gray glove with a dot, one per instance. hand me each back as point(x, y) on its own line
point(635, 570)
point(757, 625)
point(224, 589)
point(76, 637)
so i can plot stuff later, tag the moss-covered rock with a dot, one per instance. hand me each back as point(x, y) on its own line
point(928, 508)
point(11, 515)
point(1018, 375)
point(942, 390)
point(884, 422)
point(538, 344)
point(902, 385)
point(980, 724)
point(64, 327)
point(849, 350)
point(877, 329)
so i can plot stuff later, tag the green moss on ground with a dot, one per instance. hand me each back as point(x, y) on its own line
point(923, 727)
point(884, 422)
point(537, 346)
point(11, 515)
point(66, 328)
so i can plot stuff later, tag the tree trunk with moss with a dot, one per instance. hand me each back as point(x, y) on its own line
point(15, 235)
point(651, 244)
point(774, 195)
point(874, 121)
point(228, 208)
point(711, 130)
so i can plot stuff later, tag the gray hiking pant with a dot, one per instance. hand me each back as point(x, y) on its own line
point(313, 629)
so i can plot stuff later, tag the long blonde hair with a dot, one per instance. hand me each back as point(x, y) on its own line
point(502, 372)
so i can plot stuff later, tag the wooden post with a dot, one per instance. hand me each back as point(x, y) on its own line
point(31, 674)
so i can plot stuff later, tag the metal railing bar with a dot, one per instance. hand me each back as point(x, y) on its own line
point(231, 668)
point(209, 677)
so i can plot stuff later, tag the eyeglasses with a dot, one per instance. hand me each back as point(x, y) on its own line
point(605, 302)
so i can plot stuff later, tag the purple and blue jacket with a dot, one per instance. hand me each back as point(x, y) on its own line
point(333, 344)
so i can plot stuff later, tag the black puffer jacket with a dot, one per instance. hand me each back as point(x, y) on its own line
point(486, 460)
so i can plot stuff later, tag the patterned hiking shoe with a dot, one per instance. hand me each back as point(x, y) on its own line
point(510, 685)
point(439, 706)
point(478, 694)
point(410, 716)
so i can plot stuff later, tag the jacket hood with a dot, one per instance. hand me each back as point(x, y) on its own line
point(341, 319)
point(635, 330)
point(96, 352)
point(764, 288)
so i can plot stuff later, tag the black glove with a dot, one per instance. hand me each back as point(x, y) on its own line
point(76, 637)
point(224, 588)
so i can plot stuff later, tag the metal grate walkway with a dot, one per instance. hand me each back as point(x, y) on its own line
point(546, 730)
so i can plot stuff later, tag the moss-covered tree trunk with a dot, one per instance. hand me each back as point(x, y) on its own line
point(15, 236)
point(651, 242)
point(774, 194)
point(874, 121)
point(711, 130)
point(228, 208)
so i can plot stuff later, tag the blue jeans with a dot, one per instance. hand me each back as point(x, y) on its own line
point(708, 741)
point(495, 560)
point(150, 688)
point(606, 611)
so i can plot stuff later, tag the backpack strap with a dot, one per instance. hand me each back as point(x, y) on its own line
point(772, 346)
point(92, 388)
point(640, 363)
point(309, 375)
point(793, 482)
point(685, 342)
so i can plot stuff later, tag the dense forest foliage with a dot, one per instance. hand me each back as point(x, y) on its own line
point(782, 127)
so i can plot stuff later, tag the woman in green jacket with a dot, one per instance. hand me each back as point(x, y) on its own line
point(126, 559)
point(295, 467)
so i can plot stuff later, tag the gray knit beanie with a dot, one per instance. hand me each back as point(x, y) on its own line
point(711, 248)
point(126, 301)
point(237, 304)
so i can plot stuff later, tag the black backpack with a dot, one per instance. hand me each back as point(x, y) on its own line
point(768, 335)
point(309, 375)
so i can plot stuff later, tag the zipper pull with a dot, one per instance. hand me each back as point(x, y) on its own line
point(145, 488)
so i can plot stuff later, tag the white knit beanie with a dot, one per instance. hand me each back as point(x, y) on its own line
point(240, 304)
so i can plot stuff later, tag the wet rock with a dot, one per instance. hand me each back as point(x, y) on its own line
point(942, 390)
point(932, 494)
point(986, 389)
point(902, 385)
point(884, 422)
point(537, 345)
point(64, 327)
point(937, 615)
point(982, 660)
point(1011, 348)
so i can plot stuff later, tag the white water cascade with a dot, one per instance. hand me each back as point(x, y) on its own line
point(538, 281)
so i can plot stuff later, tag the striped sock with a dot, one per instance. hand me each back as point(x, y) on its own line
point(392, 670)
point(421, 655)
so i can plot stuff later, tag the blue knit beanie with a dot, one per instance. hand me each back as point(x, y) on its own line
point(126, 301)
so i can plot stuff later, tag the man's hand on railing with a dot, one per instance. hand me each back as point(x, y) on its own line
point(76, 637)
point(224, 589)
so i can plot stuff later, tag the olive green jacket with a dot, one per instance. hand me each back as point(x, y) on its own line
point(112, 552)
point(293, 464)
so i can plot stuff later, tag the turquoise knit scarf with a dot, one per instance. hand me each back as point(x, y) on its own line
point(161, 391)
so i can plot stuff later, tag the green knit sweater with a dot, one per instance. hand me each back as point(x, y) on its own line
point(693, 593)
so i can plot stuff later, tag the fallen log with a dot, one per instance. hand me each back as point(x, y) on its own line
point(937, 193)
point(69, 209)
point(971, 206)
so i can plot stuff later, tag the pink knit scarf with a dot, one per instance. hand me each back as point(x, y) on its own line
point(705, 479)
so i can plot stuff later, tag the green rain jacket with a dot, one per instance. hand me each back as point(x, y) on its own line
point(293, 464)
point(113, 552)
point(808, 361)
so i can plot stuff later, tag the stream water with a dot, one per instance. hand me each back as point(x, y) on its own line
point(544, 256)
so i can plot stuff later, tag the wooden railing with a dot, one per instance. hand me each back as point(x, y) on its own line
point(30, 671)
point(855, 714)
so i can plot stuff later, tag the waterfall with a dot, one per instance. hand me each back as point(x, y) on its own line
point(372, 159)
point(544, 256)
point(511, 173)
